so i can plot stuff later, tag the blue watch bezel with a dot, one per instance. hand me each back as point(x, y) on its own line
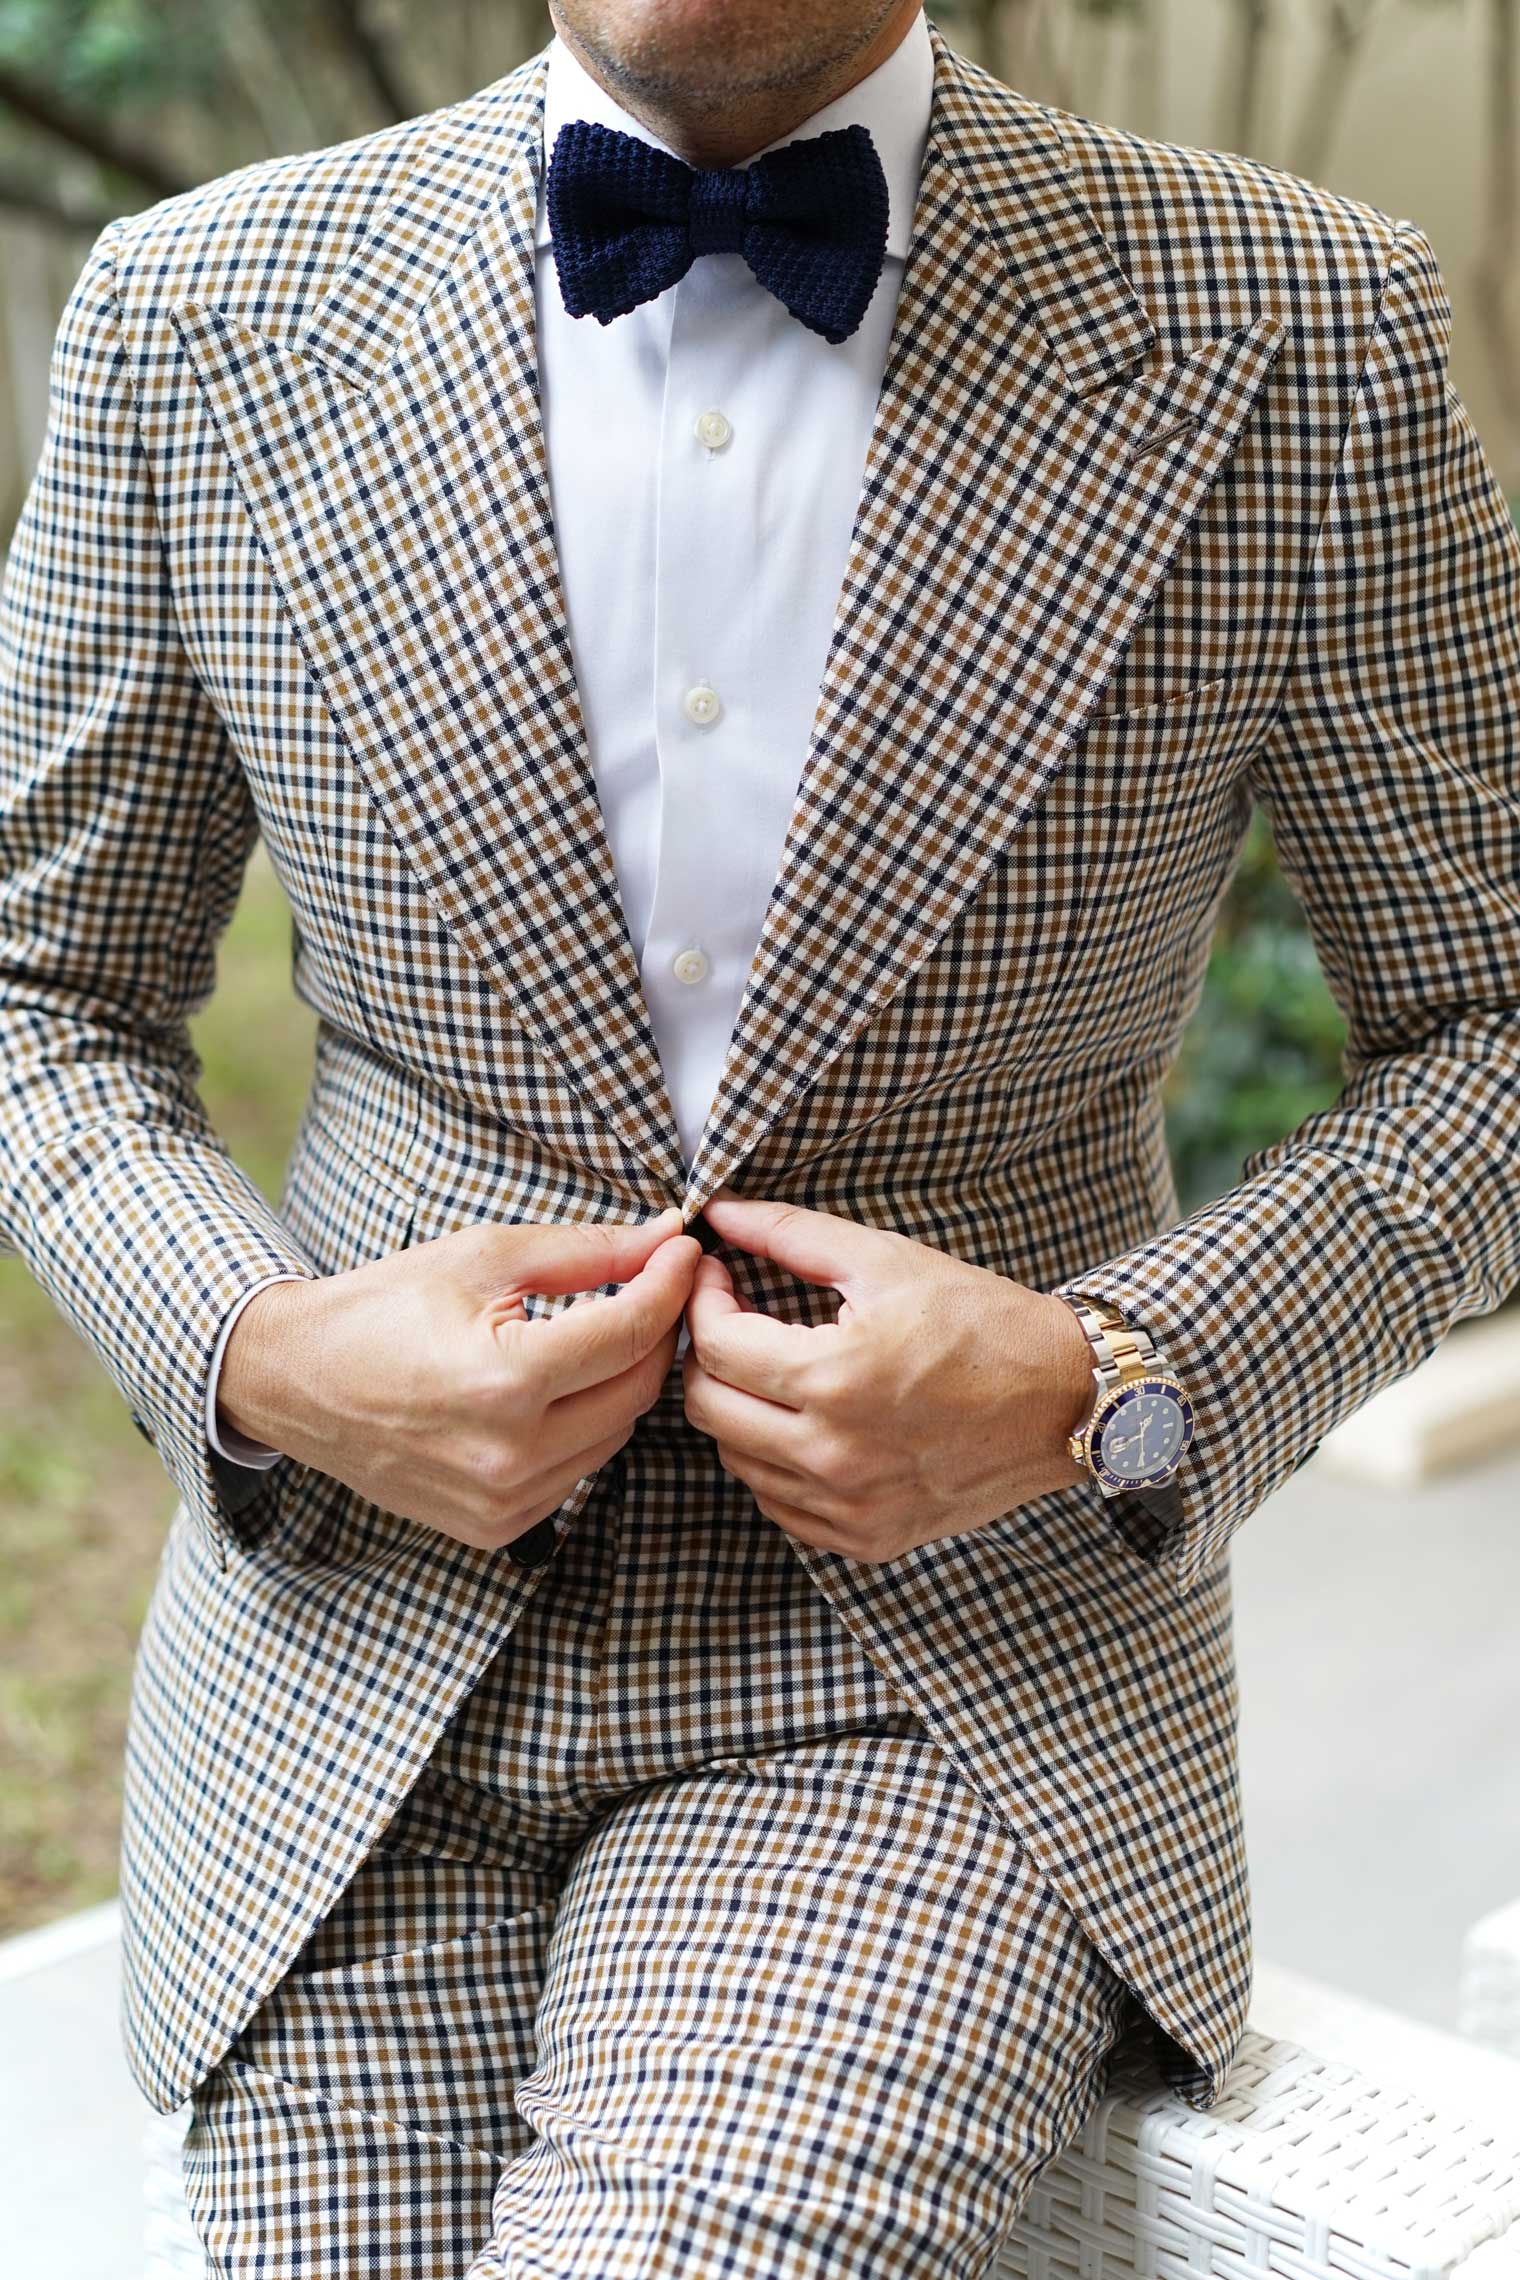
point(1113, 1404)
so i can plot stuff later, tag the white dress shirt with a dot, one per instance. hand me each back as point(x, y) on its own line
point(706, 453)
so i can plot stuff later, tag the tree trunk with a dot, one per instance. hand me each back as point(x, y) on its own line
point(1090, 55)
point(1051, 78)
point(1346, 24)
point(1147, 68)
point(976, 31)
point(86, 132)
point(24, 191)
point(271, 78)
point(371, 59)
point(1244, 53)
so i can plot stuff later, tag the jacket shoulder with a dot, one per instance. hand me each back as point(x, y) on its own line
point(1212, 239)
point(265, 240)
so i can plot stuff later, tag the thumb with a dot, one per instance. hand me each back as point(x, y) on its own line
point(712, 1294)
point(553, 1259)
point(817, 1246)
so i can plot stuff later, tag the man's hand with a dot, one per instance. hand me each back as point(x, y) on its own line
point(942, 1395)
point(419, 1380)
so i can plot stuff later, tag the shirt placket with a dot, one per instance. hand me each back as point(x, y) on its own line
point(708, 735)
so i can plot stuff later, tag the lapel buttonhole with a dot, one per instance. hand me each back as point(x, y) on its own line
point(1153, 442)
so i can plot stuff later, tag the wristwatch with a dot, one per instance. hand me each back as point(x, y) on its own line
point(1140, 1425)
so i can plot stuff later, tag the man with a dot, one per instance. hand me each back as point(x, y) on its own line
point(752, 656)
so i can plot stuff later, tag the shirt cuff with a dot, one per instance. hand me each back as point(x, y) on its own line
point(237, 1447)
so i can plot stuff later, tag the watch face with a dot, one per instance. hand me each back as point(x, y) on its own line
point(1147, 1428)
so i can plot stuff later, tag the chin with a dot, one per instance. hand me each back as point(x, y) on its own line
point(659, 47)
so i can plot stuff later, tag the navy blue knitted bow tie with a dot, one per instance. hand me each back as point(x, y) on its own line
point(628, 219)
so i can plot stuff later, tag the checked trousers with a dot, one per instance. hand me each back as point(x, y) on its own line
point(689, 1952)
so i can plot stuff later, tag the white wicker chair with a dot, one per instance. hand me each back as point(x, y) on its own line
point(1306, 2167)
point(1309, 2166)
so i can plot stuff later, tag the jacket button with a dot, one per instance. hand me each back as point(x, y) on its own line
point(535, 1547)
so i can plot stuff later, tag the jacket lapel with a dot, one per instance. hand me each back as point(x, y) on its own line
point(1025, 490)
point(392, 459)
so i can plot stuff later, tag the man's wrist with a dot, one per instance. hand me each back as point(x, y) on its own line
point(1077, 1383)
point(256, 1391)
point(234, 1447)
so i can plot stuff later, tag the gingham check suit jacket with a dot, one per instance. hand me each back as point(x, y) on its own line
point(1170, 506)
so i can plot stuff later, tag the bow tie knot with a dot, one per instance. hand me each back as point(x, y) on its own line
point(718, 214)
point(627, 219)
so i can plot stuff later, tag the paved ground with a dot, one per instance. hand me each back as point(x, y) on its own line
point(1380, 1755)
point(1378, 1639)
point(71, 2124)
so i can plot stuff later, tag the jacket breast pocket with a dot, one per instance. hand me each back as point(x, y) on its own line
point(1146, 803)
point(1125, 859)
point(1197, 701)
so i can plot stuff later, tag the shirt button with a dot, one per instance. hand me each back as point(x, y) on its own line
point(712, 429)
point(689, 965)
point(701, 704)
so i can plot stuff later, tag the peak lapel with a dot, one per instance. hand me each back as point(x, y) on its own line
point(392, 459)
point(1009, 536)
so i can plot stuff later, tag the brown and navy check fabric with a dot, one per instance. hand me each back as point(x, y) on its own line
point(689, 1951)
point(1170, 508)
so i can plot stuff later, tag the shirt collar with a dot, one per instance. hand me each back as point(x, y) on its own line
point(893, 101)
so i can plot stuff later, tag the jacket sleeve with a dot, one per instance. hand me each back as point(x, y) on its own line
point(1391, 772)
point(125, 826)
